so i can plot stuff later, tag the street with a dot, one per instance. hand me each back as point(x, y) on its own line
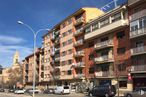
point(41, 95)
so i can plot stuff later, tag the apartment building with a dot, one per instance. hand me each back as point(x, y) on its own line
point(28, 65)
point(137, 18)
point(64, 44)
point(107, 54)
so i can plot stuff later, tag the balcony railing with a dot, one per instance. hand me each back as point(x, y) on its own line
point(103, 44)
point(56, 77)
point(79, 65)
point(138, 68)
point(137, 33)
point(79, 21)
point(138, 15)
point(103, 59)
point(79, 54)
point(104, 74)
point(138, 50)
point(78, 32)
point(78, 76)
point(78, 43)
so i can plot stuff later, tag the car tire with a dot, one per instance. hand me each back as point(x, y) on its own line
point(128, 95)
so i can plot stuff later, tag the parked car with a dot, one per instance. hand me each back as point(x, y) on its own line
point(2, 90)
point(11, 90)
point(103, 90)
point(19, 91)
point(137, 92)
point(49, 91)
point(62, 90)
point(30, 90)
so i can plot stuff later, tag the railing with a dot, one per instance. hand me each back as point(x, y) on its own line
point(138, 50)
point(104, 73)
point(57, 59)
point(103, 58)
point(138, 32)
point(138, 14)
point(104, 44)
point(79, 53)
point(79, 31)
point(79, 64)
point(79, 42)
point(138, 68)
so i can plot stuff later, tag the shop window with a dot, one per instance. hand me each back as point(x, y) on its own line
point(122, 84)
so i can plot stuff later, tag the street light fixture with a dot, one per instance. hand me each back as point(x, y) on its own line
point(35, 33)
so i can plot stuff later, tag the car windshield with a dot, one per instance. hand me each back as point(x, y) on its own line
point(66, 87)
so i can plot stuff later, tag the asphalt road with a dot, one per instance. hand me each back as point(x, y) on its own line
point(41, 95)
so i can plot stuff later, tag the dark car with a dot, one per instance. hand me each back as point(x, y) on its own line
point(137, 92)
point(2, 90)
point(103, 90)
point(49, 91)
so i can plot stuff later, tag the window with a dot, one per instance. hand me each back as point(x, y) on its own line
point(91, 44)
point(63, 53)
point(139, 44)
point(70, 31)
point(70, 51)
point(69, 21)
point(63, 63)
point(69, 62)
point(95, 26)
point(122, 84)
point(116, 17)
point(122, 67)
point(121, 50)
point(104, 39)
point(87, 30)
point(104, 22)
point(69, 41)
point(120, 35)
point(91, 56)
point(69, 72)
point(64, 44)
point(142, 22)
point(91, 70)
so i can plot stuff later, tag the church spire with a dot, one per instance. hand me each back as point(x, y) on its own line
point(16, 58)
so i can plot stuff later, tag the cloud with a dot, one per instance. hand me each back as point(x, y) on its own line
point(11, 40)
point(7, 53)
point(8, 46)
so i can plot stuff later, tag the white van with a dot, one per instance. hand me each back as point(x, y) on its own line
point(62, 90)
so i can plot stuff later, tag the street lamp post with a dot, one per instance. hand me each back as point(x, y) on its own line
point(35, 33)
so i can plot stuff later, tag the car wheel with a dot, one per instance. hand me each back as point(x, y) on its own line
point(106, 95)
point(128, 95)
point(90, 94)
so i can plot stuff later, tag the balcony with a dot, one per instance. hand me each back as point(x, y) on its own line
point(103, 59)
point(106, 29)
point(78, 43)
point(138, 68)
point(79, 76)
point(106, 74)
point(79, 21)
point(79, 65)
point(78, 32)
point(104, 44)
point(138, 33)
point(79, 54)
point(138, 51)
point(138, 15)
point(56, 77)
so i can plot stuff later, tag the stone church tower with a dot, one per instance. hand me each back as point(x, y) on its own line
point(16, 60)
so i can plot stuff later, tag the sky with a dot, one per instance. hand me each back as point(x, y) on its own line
point(39, 14)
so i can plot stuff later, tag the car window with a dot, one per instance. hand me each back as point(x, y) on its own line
point(66, 87)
